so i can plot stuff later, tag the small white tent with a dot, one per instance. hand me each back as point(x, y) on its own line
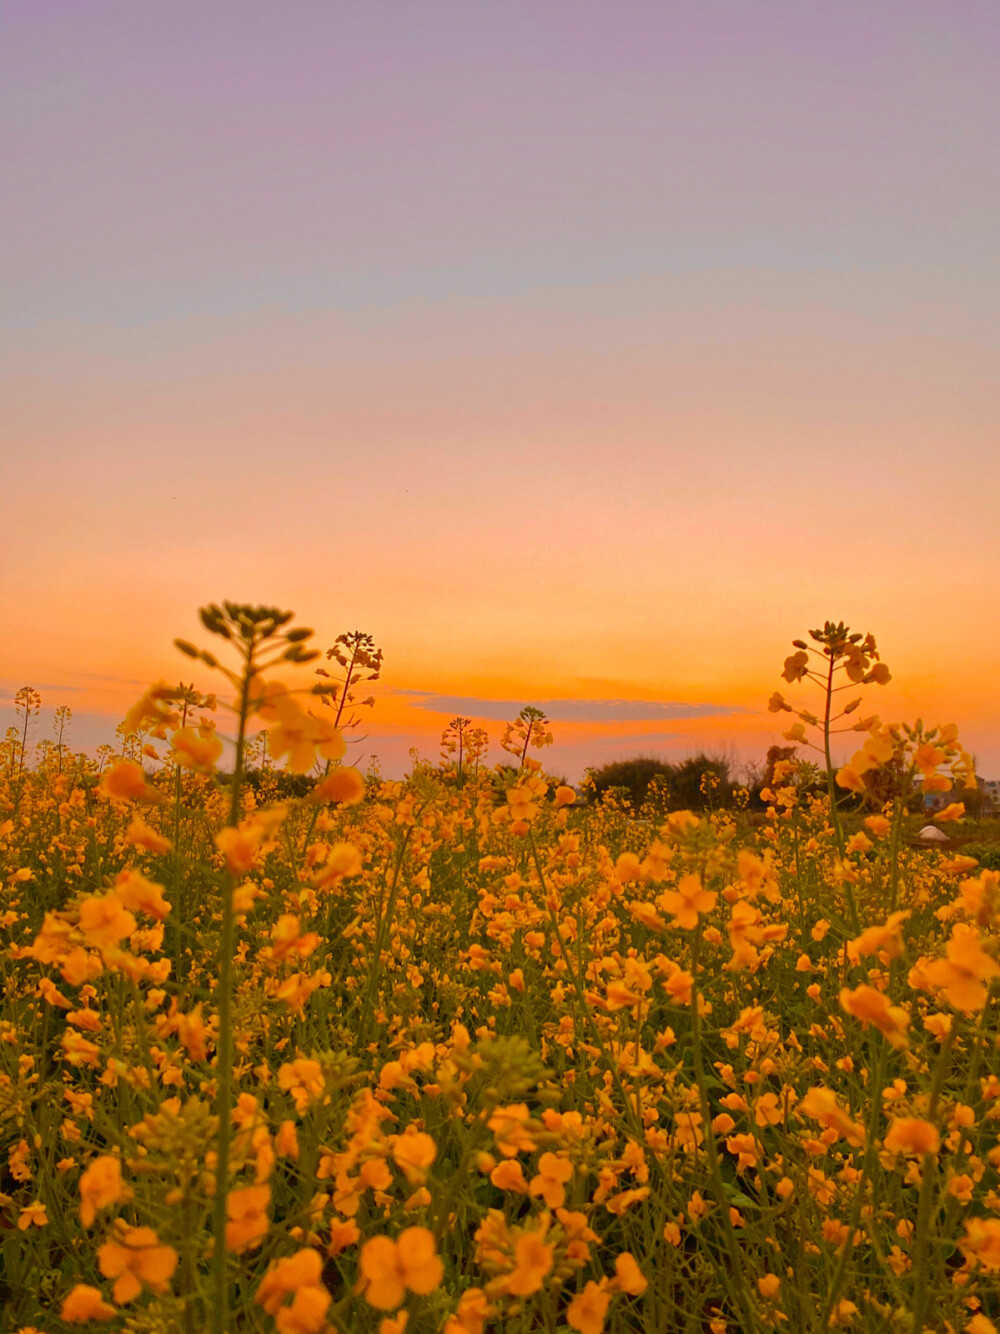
point(931, 834)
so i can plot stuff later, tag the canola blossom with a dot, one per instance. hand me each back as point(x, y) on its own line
point(288, 1047)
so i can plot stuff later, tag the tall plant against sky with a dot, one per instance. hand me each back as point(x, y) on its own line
point(838, 660)
point(529, 729)
point(262, 643)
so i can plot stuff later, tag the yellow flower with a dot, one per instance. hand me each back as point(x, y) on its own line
point(980, 1324)
point(979, 896)
point(389, 1268)
point(414, 1152)
point(78, 1050)
point(509, 1175)
point(288, 940)
point(509, 1128)
point(471, 1315)
point(299, 1274)
point(688, 900)
point(550, 1183)
point(881, 745)
point(141, 895)
point(964, 974)
point(304, 1079)
point(126, 781)
point(630, 1277)
point(100, 1185)
point(822, 1105)
point(927, 757)
point(296, 733)
point(142, 835)
point(796, 667)
point(135, 1260)
point(533, 1259)
point(879, 825)
point(887, 938)
point(33, 1213)
point(345, 786)
point(241, 845)
point(874, 1007)
point(343, 1233)
point(286, 1141)
point(85, 1303)
point(848, 777)
point(982, 1242)
point(104, 920)
point(342, 861)
point(196, 748)
point(587, 1310)
point(246, 1209)
point(151, 708)
point(912, 1136)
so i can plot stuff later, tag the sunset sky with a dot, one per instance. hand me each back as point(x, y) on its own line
point(583, 353)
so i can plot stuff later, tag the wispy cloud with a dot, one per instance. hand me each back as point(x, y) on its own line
point(89, 681)
point(570, 710)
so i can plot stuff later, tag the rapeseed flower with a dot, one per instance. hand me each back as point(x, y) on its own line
point(85, 1303)
point(390, 1268)
point(104, 920)
point(965, 972)
point(550, 1182)
point(32, 1215)
point(874, 1007)
point(588, 1308)
point(688, 900)
point(298, 1276)
point(304, 1079)
point(101, 1185)
point(138, 894)
point(533, 1261)
point(981, 1243)
point(629, 1276)
point(912, 1136)
point(136, 1259)
point(346, 787)
point(246, 1212)
point(126, 781)
point(196, 748)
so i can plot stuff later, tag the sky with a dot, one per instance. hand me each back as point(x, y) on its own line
point(584, 354)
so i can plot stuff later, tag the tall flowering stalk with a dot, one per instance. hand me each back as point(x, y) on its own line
point(261, 642)
point(529, 728)
point(842, 661)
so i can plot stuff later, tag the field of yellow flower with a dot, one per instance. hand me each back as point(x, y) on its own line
point(464, 1053)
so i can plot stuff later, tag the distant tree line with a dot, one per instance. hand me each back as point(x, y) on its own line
point(696, 783)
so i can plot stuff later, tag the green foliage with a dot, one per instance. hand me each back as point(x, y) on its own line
point(986, 854)
point(697, 782)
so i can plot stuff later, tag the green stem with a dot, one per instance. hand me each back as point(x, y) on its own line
point(898, 816)
point(875, 1087)
point(838, 828)
point(921, 1231)
point(179, 907)
point(224, 1045)
point(738, 1293)
point(629, 1110)
point(381, 934)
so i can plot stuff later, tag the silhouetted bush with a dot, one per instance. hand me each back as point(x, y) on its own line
point(693, 784)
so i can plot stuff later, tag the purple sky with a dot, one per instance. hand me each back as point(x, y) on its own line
point(555, 343)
